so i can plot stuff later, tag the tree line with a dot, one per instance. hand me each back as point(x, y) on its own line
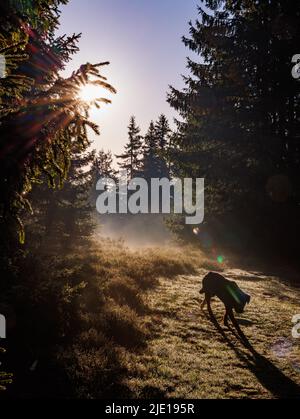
point(148, 155)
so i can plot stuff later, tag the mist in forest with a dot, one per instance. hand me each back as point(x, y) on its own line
point(134, 230)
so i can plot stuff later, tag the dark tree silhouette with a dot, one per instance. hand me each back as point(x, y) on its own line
point(241, 117)
point(41, 114)
point(151, 163)
point(163, 132)
point(130, 160)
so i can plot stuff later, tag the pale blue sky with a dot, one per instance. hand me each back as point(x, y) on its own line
point(142, 40)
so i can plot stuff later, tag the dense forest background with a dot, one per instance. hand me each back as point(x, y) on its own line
point(238, 128)
point(241, 123)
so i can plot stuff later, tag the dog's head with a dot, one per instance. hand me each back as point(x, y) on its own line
point(240, 297)
point(243, 300)
point(208, 276)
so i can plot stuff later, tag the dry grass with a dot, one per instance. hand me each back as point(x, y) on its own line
point(156, 342)
point(149, 338)
point(130, 326)
point(113, 310)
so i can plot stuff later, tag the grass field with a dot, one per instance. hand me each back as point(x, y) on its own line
point(124, 323)
point(167, 347)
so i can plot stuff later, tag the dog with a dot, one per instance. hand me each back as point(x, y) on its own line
point(216, 285)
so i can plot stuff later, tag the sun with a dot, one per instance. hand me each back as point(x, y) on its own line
point(89, 93)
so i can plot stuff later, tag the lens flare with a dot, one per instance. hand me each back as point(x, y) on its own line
point(220, 259)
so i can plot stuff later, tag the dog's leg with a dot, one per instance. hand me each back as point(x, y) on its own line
point(234, 321)
point(226, 317)
point(204, 302)
point(208, 298)
point(240, 332)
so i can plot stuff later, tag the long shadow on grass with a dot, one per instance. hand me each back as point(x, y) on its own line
point(265, 371)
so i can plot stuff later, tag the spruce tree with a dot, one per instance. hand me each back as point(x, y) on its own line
point(41, 114)
point(75, 209)
point(240, 111)
point(163, 134)
point(63, 216)
point(130, 159)
point(151, 162)
point(103, 165)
